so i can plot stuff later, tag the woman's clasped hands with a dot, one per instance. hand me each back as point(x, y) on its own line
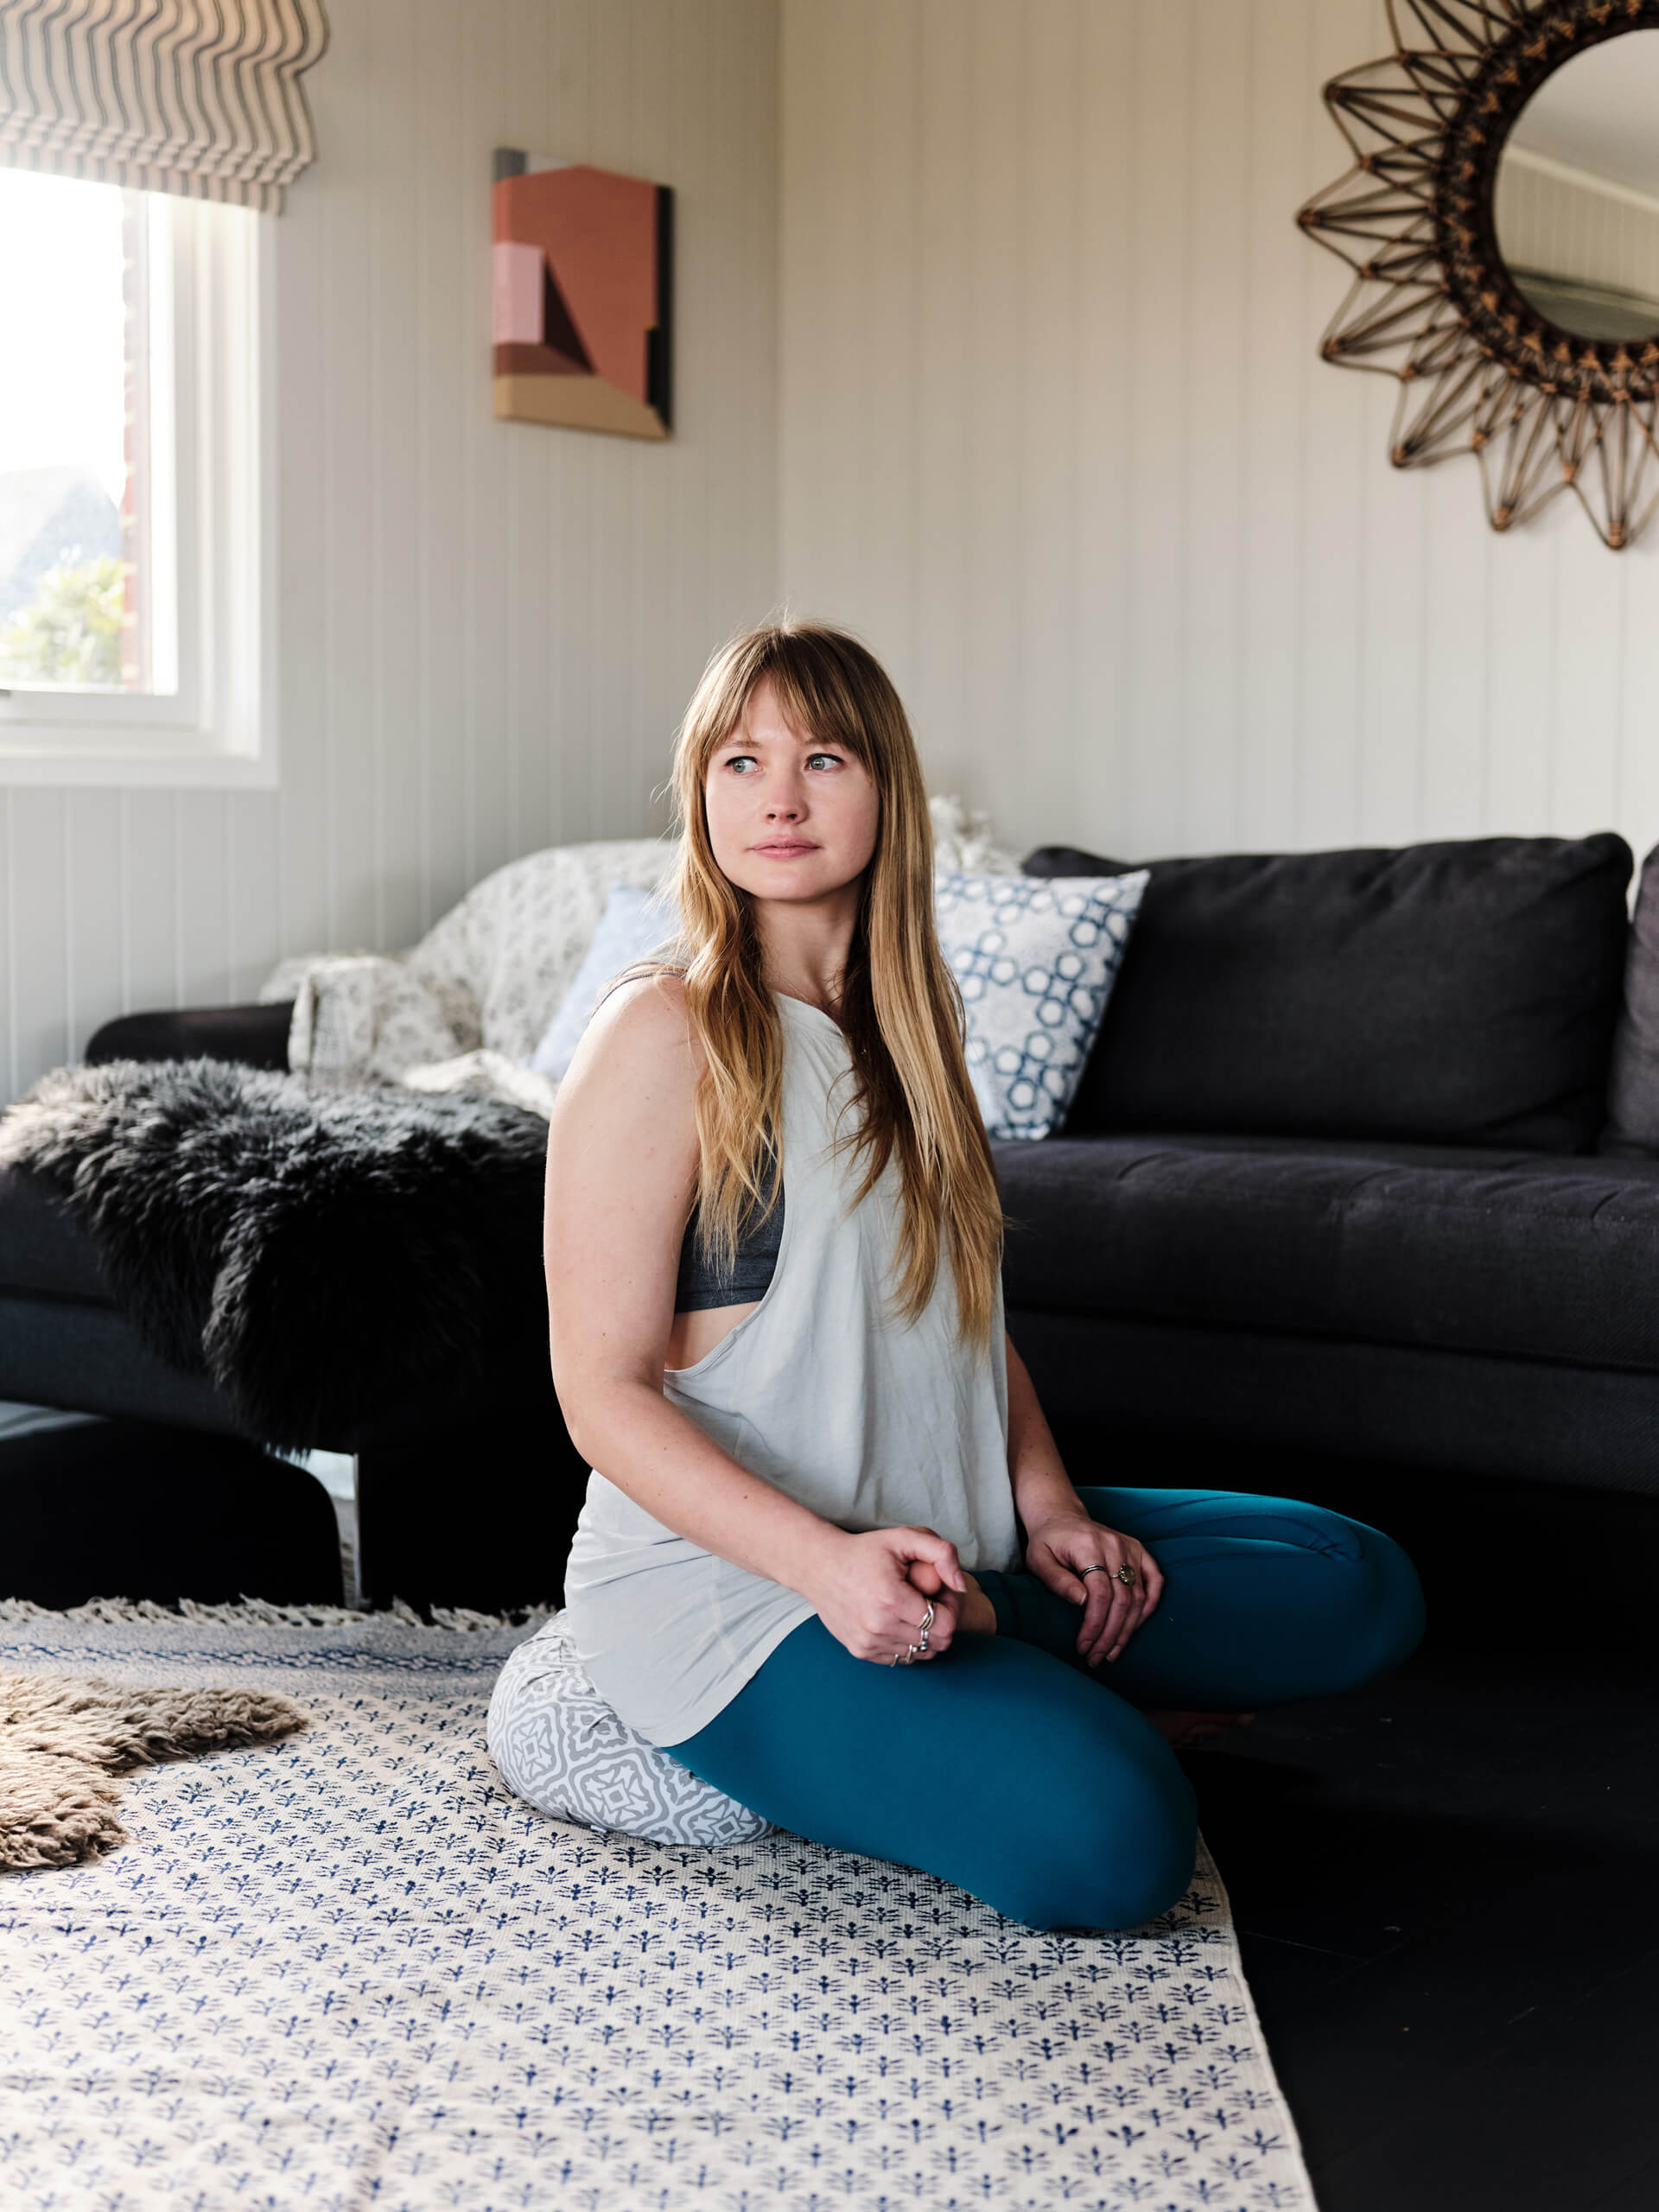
point(872, 1590)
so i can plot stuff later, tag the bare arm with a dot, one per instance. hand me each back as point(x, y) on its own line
point(622, 1165)
point(1041, 1486)
point(1061, 1536)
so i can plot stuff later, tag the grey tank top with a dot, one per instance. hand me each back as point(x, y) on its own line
point(819, 1390)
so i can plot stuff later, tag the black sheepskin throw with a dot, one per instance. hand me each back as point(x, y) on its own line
point(327, 1256)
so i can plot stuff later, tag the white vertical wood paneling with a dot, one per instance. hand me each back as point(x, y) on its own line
point(936, 179)
point(202, 898)
point(1213, 513)
point(1047, 295)
point(487, 629)
point(1333, 469)
point(150, 931)
point(39, 879)
point(1054, 436)
point(442, 376)
point(1057, 440)
point(1275, 373)
point(92, 900)
point(252, 861)
point(1154, 323)
point(394, 547)
point(1099, 552)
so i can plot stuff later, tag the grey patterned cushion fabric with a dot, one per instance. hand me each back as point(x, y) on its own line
point(558, 1744)
point(1036, 961)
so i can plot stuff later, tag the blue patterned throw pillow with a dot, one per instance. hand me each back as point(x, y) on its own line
point(1035, 959)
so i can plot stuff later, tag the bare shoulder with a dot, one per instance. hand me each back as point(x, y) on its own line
point(622, 1163)
point(639, 1043)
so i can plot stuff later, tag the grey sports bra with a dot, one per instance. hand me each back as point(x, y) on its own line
point(701, 1285)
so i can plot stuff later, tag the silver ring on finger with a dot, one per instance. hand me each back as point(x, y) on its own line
point(1126, 1575)
point(917, 1650)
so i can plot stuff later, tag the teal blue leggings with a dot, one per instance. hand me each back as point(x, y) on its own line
point(1009, 1766)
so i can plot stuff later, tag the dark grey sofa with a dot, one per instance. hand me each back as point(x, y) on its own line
point(1340, 1179)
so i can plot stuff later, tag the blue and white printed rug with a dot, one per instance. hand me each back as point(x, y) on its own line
point(350, 1969)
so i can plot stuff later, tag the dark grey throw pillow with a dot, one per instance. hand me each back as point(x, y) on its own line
point(1633, 1083)
point(1461, 993)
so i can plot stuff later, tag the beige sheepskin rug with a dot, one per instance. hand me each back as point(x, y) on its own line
point(62, 1740)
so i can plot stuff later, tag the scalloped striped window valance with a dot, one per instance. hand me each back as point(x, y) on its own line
point(198, 97)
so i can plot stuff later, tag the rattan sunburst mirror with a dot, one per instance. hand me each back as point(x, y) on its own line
point(1502, 221)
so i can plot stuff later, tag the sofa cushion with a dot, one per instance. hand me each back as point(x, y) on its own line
point(1462, 993)
point(1480, 1251)
point(1633, 1082)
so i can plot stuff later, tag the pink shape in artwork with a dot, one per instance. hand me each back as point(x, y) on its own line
point(517, 293)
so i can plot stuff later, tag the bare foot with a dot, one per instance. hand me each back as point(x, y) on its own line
point(1185, 1729)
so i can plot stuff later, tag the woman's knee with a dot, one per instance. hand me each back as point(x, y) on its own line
point(1113, 1847)
point(1374, 1616)
point(1384, 1606)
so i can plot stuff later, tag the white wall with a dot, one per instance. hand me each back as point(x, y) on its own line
point(488, 629)
point(1054, 434)
point(1057, 440)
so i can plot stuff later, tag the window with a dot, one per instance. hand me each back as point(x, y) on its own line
point(88, 565)
point(135, 565)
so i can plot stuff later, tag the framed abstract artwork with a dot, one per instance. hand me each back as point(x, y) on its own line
point(582, 266)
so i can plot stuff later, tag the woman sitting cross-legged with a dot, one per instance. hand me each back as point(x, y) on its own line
point(829, 1559)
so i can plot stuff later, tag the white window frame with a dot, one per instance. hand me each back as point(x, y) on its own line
point(219, 729)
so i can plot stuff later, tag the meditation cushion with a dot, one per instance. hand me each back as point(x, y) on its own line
point(558, 1745)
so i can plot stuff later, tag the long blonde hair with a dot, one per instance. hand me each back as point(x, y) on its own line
point(900, 1006)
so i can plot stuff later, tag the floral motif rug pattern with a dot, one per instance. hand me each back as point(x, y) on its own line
point(350, 1969)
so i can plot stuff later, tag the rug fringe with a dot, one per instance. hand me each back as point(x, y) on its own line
point(258, 1611)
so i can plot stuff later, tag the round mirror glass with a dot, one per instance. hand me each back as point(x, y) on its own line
point(1576, 204)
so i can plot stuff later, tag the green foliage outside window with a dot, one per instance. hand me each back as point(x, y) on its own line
point(71, 631)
